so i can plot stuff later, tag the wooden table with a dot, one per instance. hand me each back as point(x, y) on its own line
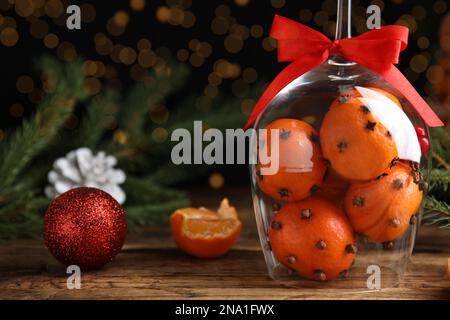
point(151, 267)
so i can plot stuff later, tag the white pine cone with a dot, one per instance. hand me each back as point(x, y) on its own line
point(81, 168)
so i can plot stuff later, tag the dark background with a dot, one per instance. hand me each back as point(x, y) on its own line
point(203, 44)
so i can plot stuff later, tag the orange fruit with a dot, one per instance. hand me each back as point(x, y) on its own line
point(301, 167)
point(313, 237)
point(357, 145)
point(354, 93)
point(382, 209)
point(333, 187)
point(204, 233)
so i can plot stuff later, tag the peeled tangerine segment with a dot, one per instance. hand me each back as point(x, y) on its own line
point(204, 233)
point(364, 130)
point(313, 237)
point(300, 165)
point(381, 209)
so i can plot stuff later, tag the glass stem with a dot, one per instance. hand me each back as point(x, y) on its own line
point(343, 29)
point(344, 19)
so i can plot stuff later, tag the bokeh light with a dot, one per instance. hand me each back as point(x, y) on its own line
point(216, 181)
point(137, 5)
point(25, 84)
point(9, 36)
point(16, 110)
point(159, 135)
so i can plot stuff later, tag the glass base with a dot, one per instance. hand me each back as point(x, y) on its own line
point(364, 276)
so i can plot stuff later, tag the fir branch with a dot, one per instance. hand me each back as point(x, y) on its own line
point(149, 203)
point(439, 179)
point(440, 143)
point(441, 161)
point(226, 114)
point(140, 215)
point(35, 133)
point(141, 190)
point(22, 217)
point(169, 174)
point(436, 213)
point(144, 97)
point(94, 122)
point(437, 208)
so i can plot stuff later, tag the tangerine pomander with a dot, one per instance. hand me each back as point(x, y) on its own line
point(357, 145)
point(383, 208)
point(300, 165)
point(333, 187)
point(314, 238)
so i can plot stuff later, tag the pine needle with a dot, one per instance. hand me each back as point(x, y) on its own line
point(436, 213)
point(35, 133)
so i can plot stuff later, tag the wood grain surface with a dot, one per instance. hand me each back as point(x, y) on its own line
point(151, 267)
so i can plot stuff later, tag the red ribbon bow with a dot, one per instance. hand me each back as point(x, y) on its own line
point(377, 50)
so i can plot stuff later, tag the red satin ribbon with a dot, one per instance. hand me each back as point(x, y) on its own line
point(377, 50)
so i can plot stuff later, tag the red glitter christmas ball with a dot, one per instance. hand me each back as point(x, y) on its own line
point(84, 227)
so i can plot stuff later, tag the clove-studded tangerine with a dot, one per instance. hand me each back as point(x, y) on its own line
point(371, 92)
point(300, 164)
point(356, 144)
point(314, 238)
point(333, 187)
point(383, 208)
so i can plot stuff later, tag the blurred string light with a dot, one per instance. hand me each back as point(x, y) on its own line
point(36, 95)
point(435, 74)
point(305, 15)
point(159, 114)
point(88, 13)
point(329, 6)
point(419, 12)
point(35, 13)
point(440, 7)
point(116, 25)
point(444, 40)
point(141, 57)
point(25, 84)
point(38, 29)
point(216, 181)
point(8, 34)
point(160, 135)
point(256, 31)
point(277, 4)
point(235, 33)
point(423, 42)
point(92, 85)
point(103, 45)
point(211, 91)
point(137, 5)
point(408, 21)
point(419, 63)
point(127, 55)
point(176, 13)
point(66, 51)
point(16, 110)
point(199, 51)
point(120, 136)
